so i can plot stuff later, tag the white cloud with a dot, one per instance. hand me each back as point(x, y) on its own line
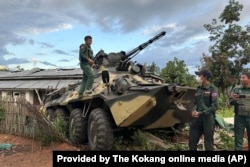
point(199, 37)
point(182, 20)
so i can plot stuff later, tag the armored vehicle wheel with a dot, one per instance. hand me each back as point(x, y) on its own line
point(60, 112)
point(77, 127)
point(100, 130)
point(50, 114)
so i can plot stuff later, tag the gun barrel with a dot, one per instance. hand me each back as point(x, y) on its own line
point(144, 45)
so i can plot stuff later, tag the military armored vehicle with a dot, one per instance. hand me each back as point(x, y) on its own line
point(124, 95)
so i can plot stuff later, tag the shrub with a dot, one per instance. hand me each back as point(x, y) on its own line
point(61, 125)
point(227, 141)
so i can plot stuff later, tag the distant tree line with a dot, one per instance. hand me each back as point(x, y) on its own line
point(4, 68)
point(175, 72)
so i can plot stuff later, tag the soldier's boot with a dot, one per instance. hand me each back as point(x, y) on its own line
point(88, 92)
point(79, 95)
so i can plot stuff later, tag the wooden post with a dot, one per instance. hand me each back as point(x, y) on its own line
point(39, 98)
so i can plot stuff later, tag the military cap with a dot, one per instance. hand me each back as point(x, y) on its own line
point(205, 72)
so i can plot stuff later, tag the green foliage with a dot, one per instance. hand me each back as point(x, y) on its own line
point(141, 140)
point(227, 141)
point(19, 68)
point(45, 140)
point(178, 147)
point(153, 68)
point(60, 124)
point(223, 102)
point(225, 112)
point(231, 48)
point(118, 142)
point(132, 139)
point(49, 136)
point(176, 72)
point(231, 12)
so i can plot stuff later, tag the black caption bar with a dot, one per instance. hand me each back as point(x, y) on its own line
point(153, 158)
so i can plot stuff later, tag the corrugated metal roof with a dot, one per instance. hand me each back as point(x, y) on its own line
point(58, 72)
point(36, 84)
point(4, 73)
point(41, 73)
point(39, 78)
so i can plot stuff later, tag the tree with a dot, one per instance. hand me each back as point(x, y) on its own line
point(231, 49)
point(19, 68)
point(176, 72)
point(154, 68)
point(3, 68)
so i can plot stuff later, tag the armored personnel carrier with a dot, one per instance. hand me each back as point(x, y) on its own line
point(124, 95)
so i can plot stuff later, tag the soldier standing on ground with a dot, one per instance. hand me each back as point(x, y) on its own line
point(206, 103)
point(240, 99)
point(86, 62)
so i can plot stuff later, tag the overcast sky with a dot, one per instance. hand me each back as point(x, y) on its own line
point(47, 33)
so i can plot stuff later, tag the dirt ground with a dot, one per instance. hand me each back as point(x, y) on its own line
point(29, 153)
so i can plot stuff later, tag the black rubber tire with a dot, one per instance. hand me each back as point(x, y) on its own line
point(77, 127)
point(61, 112)
point(100, 130)
point(50, 114)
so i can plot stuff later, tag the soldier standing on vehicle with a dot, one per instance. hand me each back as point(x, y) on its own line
point(240, 99)
point(205, 105)
point(86, 63)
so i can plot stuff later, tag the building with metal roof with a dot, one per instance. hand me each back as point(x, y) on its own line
point(33, 84)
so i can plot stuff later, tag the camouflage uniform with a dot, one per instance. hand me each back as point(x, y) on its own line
point(88, 75)
point(242, 115)
point(206, 103)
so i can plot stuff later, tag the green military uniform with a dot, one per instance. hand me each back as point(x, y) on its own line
point(206, 103)
point(242, 115)
point(88, 76)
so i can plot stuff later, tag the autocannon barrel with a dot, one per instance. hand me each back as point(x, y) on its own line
point(142, 46)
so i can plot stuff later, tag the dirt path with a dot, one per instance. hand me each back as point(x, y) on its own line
point(28, 153)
